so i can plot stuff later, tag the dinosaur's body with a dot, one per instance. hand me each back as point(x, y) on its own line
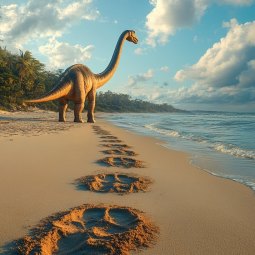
point(78, 83)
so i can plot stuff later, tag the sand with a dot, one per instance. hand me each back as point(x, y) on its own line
point(41, 159)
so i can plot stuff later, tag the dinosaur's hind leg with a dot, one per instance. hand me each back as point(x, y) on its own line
point(80, 96)
point(63, 104)
point(78, 108)
point(91, 106)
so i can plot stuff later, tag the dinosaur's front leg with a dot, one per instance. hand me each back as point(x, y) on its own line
point(91, 106)
point(63, 104)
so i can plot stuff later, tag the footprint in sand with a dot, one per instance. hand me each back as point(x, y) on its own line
point(111, 141)
point(96, 128)
point(100, 131)
point(103, 132)
point(116, 146)
point(114, 183)
point(122, 152)
point(108, 137)
point(90, 229)
point(121, 162)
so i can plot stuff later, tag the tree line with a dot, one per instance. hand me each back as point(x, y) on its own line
point(115, 102)
point(22, 76)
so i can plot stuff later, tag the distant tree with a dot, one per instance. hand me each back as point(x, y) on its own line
point(113, 102)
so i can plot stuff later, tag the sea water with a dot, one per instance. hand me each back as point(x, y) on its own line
point(218, 142)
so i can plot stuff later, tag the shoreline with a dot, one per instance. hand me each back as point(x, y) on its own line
point(224, 163)
point(197, 212)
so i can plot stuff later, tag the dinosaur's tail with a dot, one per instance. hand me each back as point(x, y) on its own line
point(56, 93)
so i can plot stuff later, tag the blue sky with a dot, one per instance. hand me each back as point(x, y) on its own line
point(193, 54)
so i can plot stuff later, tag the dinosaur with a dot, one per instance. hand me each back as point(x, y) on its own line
point(79, 83)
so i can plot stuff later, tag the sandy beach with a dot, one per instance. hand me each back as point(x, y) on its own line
point(45, 163)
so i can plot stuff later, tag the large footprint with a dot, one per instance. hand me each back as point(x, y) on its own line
point(122, 152)
point(116, 146)
point(121, 162)
point(108, 137)
point(114, 183)
point(111, 141)
point(90, 229)
point(101, 131)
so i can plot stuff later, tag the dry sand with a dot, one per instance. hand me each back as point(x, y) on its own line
point(197, 213)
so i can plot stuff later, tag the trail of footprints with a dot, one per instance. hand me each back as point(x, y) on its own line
point(98, 229)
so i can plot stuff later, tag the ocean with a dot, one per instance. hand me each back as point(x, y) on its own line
point(221, 143)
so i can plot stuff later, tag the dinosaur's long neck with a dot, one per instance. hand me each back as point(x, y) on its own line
point(109, 71)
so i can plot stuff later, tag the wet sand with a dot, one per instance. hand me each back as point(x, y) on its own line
point(41, 159)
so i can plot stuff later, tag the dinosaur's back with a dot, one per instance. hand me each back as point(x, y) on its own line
point(78, 68)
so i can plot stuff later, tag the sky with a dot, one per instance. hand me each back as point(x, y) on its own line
point(192, 54)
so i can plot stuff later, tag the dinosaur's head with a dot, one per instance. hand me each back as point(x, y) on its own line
point(132, 36)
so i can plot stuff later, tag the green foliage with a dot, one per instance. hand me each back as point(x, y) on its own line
point(24, 77)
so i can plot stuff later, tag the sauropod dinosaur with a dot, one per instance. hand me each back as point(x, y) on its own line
point(78, 82)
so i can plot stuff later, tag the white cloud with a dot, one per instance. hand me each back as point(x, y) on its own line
point(139, 51)
point(235, 2)
point(78, 10)
point(10, 17)
point(61, 54)
point(139, 78)
point(226, 71)
point(164, 69)
point(222, 78)
point(41, 19)
point(195, 38)
point(145, 92)
point(167, 16)
point(246, 77)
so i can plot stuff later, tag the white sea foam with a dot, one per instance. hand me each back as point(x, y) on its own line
point(234, 151)
point(219, 147)
point(250, 184)
point(247, 183)
point(172, 133)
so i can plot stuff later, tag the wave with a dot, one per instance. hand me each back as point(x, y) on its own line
point(248, 183)
point(236, 178)
point(172, 133)
point(234, 151)
point(219, 147)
